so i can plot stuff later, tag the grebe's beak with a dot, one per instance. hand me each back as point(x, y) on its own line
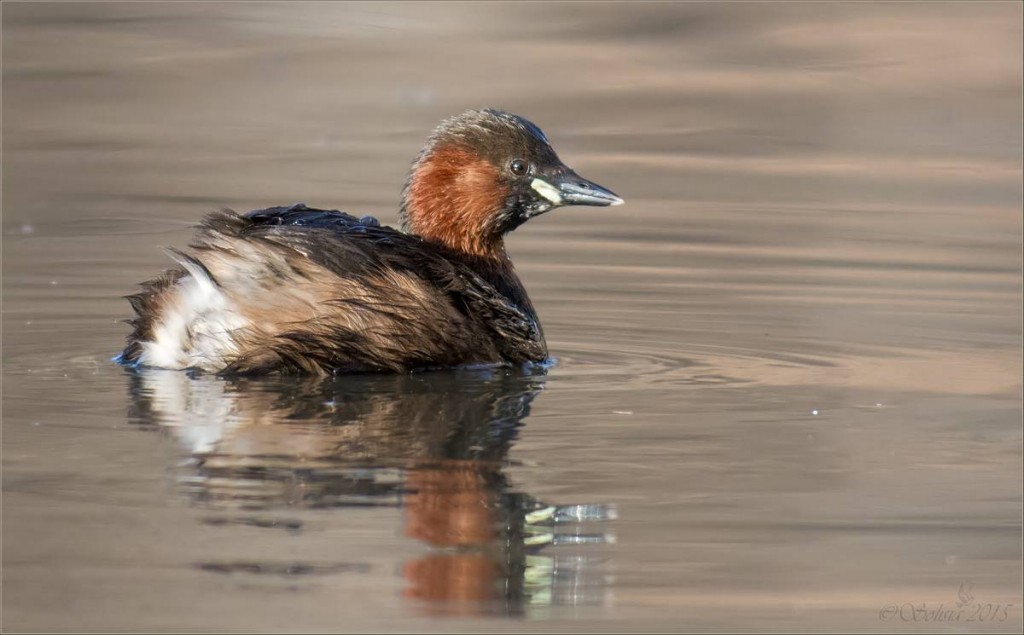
point(568, 188)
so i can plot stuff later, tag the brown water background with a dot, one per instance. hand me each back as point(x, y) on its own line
point(791, 362)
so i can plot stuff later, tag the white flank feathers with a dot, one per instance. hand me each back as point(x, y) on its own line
point(195, 328)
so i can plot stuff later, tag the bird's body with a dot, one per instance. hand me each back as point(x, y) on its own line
point(295, 289)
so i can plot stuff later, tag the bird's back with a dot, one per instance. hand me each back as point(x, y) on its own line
point(296, 289)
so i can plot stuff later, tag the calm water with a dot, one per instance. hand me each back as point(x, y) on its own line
point(788, 383)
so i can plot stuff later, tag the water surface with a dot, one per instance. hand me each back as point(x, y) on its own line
point(787, 390)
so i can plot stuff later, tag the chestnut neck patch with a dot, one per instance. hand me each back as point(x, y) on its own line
point(452, 197)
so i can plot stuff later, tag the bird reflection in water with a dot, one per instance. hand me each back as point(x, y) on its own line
point(433, 444)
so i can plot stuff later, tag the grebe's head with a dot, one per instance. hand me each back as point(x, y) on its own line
point(483, 173)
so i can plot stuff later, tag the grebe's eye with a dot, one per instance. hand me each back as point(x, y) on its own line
point(518, 167)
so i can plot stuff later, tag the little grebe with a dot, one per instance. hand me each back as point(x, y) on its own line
point(296, 289)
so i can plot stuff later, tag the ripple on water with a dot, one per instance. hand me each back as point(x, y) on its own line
point(644, 366)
